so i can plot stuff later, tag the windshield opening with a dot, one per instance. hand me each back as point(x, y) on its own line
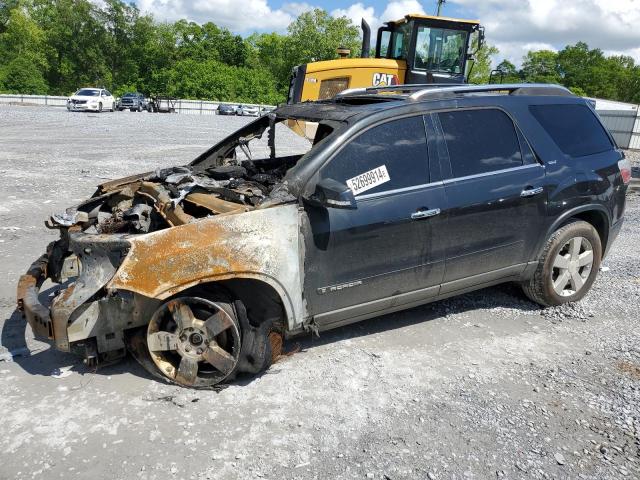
point(440, 50)
point(88, 92)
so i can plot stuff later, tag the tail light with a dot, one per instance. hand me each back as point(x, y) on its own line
point(625, 170)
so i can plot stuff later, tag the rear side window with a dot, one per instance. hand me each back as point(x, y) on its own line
point(480, 141)
point(386, 157)
point(574, 128)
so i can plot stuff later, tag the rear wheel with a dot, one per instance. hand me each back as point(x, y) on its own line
point(568, 265)
point(194, 342)
point(100, 107)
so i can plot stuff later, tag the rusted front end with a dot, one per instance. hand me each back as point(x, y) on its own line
point(63, 297)
point(89, 288)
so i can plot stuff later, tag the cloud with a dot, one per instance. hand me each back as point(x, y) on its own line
point(514, 26)
point(241, 16)
point(394, 10)
point(397, 9)
point(356, 13)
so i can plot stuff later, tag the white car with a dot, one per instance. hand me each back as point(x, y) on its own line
point(93, 99)
point(249, 110)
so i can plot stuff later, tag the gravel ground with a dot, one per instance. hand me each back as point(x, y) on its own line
point(486, 385)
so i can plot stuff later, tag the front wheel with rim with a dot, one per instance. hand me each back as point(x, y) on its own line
point(568, 265)
point(193, 341)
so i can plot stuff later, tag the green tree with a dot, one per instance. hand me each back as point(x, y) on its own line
point(6, 6)
point(213, 80)
point(541, 66)
point(118, 20)
point(22, 46)
point(268, 51)
point(75, 39)
point(479, 69)
point(316, 35)
point(587, 69)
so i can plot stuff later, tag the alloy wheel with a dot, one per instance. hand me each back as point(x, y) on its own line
point(193, 341)
point(572, 266)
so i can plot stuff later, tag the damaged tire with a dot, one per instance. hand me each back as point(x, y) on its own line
point(198, 343)
point(194, 342)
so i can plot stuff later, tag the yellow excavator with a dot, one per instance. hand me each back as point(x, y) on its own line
point(415, 49)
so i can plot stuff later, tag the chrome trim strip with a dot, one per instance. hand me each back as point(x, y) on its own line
point(495, 172)
point(399, 190)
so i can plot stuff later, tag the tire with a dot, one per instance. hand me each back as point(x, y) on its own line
point(208, 360)
point(562, 274)
point(139, 108)
point(100, 107)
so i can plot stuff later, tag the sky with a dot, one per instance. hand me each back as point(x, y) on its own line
point(513, 26)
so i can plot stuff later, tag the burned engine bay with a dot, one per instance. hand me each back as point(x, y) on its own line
point(227, 179)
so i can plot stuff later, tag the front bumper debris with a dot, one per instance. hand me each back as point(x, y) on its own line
point(79, 303)
point(36, 314)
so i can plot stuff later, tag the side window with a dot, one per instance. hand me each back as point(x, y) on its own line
point(480, 141)
point(107, 93)
point(385, 39)
point(574, 128)
point(390, 156)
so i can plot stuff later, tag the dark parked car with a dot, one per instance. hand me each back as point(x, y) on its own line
point(136, 102)
point(403, 198)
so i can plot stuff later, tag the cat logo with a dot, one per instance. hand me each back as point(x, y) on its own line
point(384, 79)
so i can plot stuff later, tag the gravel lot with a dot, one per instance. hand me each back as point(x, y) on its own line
point(486, 385)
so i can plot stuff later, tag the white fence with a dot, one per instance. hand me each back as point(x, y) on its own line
point(189, 107)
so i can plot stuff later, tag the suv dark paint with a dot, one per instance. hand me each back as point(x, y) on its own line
point(136, 102)
point(406, 197)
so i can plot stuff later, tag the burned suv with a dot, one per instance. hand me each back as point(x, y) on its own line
point(407, 195)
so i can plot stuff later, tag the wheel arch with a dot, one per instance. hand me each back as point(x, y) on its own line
point(263, 296)
point(596, 215)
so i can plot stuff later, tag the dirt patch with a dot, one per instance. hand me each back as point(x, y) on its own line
point(630, 369)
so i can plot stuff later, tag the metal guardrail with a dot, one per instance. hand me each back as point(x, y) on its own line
point(184, 106)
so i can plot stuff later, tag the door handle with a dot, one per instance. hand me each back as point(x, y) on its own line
point(425, 213)
point(530, 192)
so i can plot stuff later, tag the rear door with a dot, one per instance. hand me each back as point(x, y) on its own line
point(496, 196)
point(387, 251)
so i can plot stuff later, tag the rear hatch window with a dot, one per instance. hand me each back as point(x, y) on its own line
point(575, 128)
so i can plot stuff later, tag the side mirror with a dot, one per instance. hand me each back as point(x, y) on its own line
point(480, 37)
point(330, 193)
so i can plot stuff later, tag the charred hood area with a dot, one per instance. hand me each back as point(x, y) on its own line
point(216, 183)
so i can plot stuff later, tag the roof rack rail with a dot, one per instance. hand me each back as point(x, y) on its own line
point(437, 90)
point(405, 88)
point(512, 88)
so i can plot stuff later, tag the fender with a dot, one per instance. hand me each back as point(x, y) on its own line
point(261, 244)
point(562, 219)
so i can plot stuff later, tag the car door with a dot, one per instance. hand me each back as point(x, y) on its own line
point(110, 99)
point(496, 196)
point(386, 252)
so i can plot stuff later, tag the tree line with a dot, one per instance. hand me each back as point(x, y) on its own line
point(56, 46)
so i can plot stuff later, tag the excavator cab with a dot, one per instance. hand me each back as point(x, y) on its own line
point(415, 49)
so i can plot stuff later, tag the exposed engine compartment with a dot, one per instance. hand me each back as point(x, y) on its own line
point(221, 185)
point(178, 195)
